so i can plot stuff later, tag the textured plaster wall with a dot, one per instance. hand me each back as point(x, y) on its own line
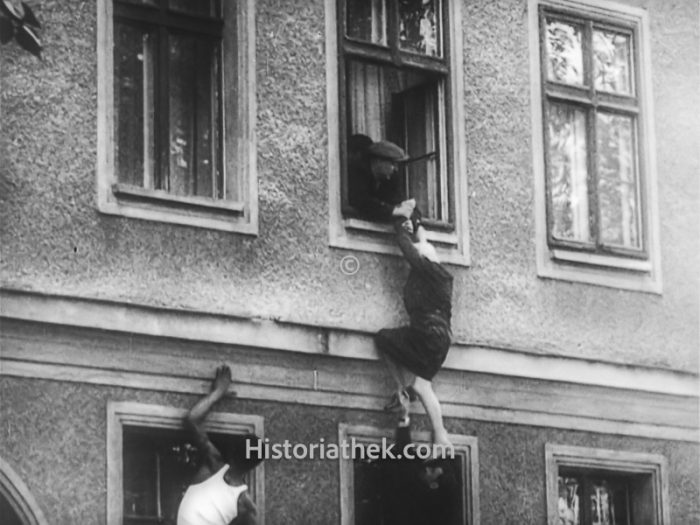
point(53, 435)
point(54, 240)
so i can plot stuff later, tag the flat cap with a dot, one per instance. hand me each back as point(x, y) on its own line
point(387, 150)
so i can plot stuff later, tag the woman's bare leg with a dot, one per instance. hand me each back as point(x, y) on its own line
point(424, 389)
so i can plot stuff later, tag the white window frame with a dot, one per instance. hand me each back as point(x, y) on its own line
point(615, 461)
point(604, 270)
point(121, 414)
point(362, 235)
point(157, 205)
point(465, 445)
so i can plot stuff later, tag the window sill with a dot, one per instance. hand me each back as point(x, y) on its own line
point(126, 191)
point(374, 237)
point(603, 261)
point(439, 237)
point(601, 270)
point(157, 205)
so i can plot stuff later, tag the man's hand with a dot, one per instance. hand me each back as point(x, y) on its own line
point(222, 380)
point(405, 209)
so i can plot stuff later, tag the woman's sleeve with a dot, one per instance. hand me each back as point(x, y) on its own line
point(415, 259)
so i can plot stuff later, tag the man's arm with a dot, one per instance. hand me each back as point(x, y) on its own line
point(194, 420)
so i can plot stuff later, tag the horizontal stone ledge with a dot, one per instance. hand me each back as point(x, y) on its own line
point(280, 335)
point(358, 401)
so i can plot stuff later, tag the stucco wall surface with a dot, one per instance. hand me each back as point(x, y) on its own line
point(55, 240)
point(54, 437)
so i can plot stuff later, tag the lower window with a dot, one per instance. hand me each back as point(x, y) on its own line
point(151, 461)
point(158, 466)
point(602, 487)
point(377, 490)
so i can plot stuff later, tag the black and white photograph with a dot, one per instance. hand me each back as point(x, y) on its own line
point(350, 262)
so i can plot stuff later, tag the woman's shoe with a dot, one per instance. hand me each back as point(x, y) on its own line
point(395, 403)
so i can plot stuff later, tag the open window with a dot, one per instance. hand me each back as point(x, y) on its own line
point(373, 488)
point(151, 461)
point(397, 76)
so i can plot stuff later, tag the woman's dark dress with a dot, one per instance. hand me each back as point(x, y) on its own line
point(422, 346)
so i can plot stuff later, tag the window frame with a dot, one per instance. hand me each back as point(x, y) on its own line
point(121, 414)
point(452, 242)
point(466, 445)
point(618, 462)
point(637, 270)
point(115, 198)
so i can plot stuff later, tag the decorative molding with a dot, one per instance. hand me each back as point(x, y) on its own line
point(120, 414)
point(617, 461)
point(19, 496)
point(674, 419)
point(278, 335)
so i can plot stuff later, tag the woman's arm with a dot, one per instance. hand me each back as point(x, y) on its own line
point(415, 259)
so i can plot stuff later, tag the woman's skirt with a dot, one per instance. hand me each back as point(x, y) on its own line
point(421, 351)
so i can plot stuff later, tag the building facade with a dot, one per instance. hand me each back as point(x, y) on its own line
point(174, 196)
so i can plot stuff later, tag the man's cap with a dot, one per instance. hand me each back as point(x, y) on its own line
point(387, 150)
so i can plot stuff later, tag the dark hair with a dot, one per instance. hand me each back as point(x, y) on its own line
point(236, 452)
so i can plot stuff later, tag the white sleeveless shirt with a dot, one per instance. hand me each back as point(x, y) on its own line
point(211, 502)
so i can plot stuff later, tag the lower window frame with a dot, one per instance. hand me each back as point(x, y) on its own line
point(616, 461)
point(467, 445)
point(121, 414)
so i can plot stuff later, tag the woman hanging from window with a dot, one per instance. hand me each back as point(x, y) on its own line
point(414, 353)
point(218, 494)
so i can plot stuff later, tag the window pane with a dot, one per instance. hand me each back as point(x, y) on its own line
point(421, 173)
point(419, 29)
point(366, 20)
point(402, 105)
point(567, 172)
point(609, 503)
point(617, 181)
point(158, 466)
point(133, 103)
point(193, 115)
point(611, 62)
point(564, 52)
point(569, 500)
